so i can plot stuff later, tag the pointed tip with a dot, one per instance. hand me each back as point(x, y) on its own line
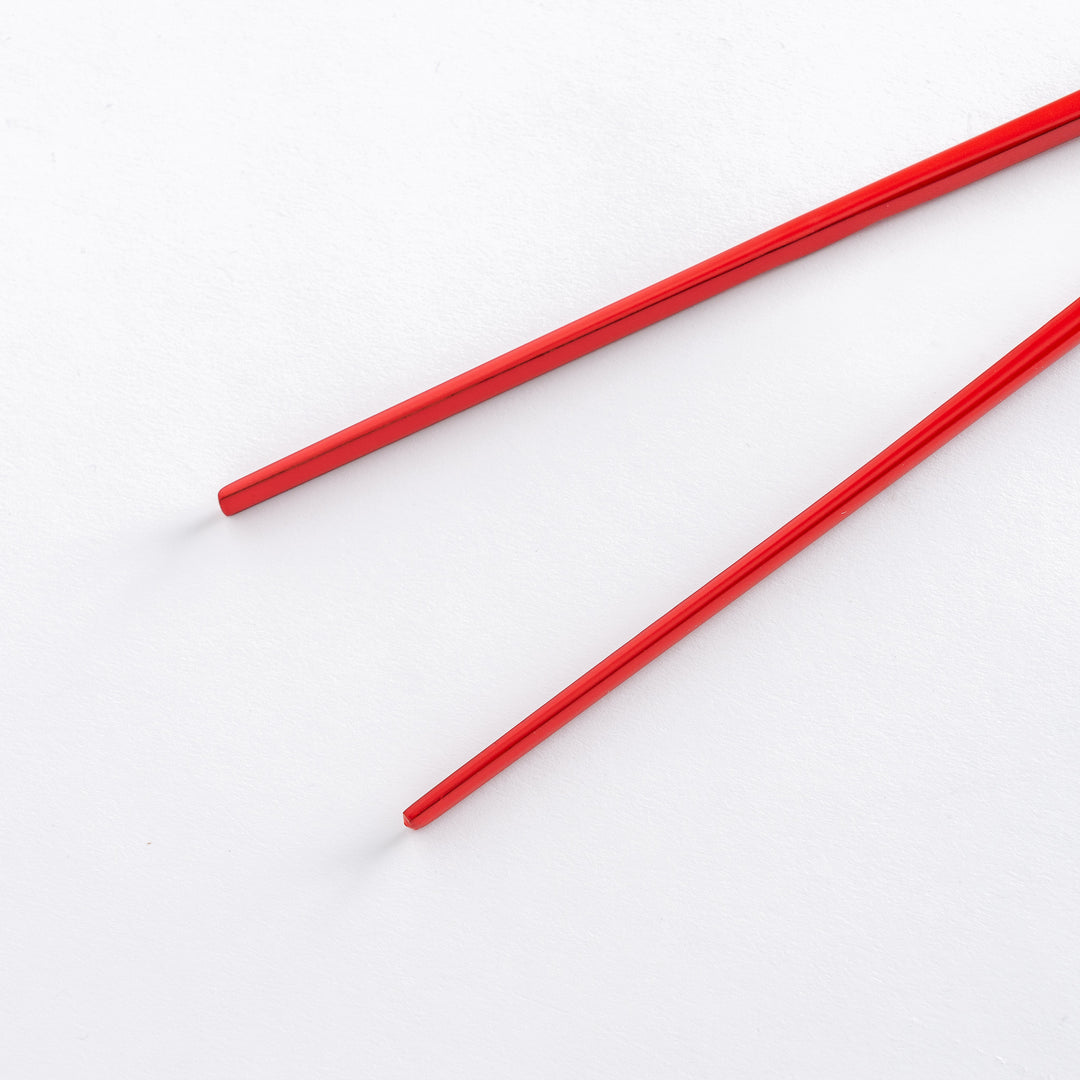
point(231, 499)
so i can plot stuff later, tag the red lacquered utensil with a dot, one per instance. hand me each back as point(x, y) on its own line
point(1040, 350)
point(985, 154)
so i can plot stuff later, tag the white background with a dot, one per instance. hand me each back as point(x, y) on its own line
point(832, 834)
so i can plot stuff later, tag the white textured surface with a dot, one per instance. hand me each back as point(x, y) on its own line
point(832, 834)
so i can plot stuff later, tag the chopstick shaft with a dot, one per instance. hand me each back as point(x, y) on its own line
point(1056, 338)
point(1015, 141)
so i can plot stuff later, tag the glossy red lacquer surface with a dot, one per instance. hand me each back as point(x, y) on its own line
point(1039, 351)
point(985, 154)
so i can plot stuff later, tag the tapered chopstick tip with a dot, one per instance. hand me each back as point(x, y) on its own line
point(230, 500)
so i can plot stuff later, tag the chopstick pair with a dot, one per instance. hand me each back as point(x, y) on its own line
point(981, 156)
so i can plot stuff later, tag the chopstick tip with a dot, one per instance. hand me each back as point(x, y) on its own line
point(228, 501)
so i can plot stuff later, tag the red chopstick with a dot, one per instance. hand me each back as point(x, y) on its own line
point(1040, 350)
point(985, 154)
